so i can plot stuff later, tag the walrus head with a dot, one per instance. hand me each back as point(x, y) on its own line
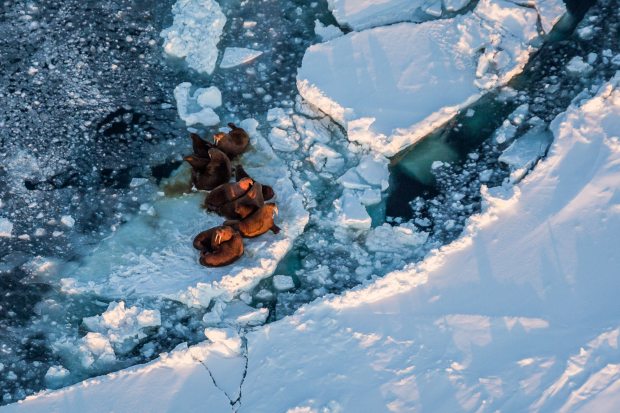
point(218, 136)
point(274, 208)
point(246, 183)
point(223, 234)
point(215, 153)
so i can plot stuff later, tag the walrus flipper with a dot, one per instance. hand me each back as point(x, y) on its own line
point(275, 229)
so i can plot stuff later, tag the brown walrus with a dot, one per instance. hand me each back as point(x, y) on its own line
point(211, 239)
point(226, 193)
point(245, 204)
point(258, 223)
point(200, 147)
point(232, 143)
point(207, 173)
point(226, 253)
point(240, 173)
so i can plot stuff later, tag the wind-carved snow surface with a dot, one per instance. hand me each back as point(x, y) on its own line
point(152, 254)
point(519, 314)
point(389, 97)
point(195, 33)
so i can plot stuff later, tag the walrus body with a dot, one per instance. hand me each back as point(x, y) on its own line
point(245, 205)
point(257, 223)
point(227, 192)
point(233, 143)
point(226, 253)
point(208, 173)
point(240, 173)
point(211, 239)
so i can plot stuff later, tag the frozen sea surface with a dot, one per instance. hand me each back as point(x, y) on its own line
point(344, 188)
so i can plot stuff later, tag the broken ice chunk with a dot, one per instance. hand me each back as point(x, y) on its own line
point(67, 221)
point(576, 65)
point(6, 228)
point(455, 5)
point(322, 157)
point(282, 140)
point(235, 56)
point(283, 282)
point(191, 110)
point(351, 211)
point(525, 151)
point(326, 32)
point(195, 32)
point(209, 97)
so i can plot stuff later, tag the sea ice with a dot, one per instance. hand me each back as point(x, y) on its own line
point(351, 213)
point(386, 96)
point(235, 56)
point(326, 32)
point(6, 228)
point(197, 108)
point(123, 326)
point(283, 283)
point(195, 33)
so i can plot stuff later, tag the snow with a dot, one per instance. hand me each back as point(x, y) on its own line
point(386, 97)
point(152, 254)
point(518, 314)
point(6, 228)
point(235, 56)
point(195, 32)
point(197, 108)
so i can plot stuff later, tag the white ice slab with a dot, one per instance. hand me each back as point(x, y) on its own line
point(388, 96)
point(197, 107)
point(195, 32)
point(235, 56)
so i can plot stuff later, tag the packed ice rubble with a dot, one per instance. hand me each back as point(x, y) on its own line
point(522, 304)
point(195, 32)
point(389, 97)
point(152, 254)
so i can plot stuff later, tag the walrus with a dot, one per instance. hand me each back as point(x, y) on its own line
point(200, 147)
point(211, 239)
point(240, 173)
point(232, 143)
point(208, 173)
point(225, 253)
point(245, 204)
point(226, 193)
point(258, 223)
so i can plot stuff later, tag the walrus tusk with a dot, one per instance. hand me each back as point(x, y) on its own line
point(218, 238)
point(275, 209)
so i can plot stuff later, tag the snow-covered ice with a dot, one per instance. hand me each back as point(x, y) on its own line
point(518, 314)
point(326, 32)
point(195, 33)
point(386, 95)
point(235, 56)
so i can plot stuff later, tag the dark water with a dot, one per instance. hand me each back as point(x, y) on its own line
point(466, 144)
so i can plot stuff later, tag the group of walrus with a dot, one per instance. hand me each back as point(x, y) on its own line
point(241, 202)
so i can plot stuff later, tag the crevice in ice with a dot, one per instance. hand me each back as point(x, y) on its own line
point(244, 353)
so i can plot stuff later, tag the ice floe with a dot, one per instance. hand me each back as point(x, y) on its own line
point(197, 107)
point(386, 96)
point(235, 56)
point(195, 32)
point(152, 254)
point(6, 227)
